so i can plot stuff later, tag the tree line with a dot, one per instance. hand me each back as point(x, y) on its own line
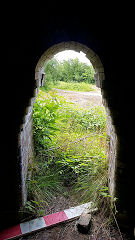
point(71, 70)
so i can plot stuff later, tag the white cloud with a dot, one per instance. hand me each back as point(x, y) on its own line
point(70, 54)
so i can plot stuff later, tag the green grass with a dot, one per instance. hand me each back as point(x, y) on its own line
point(70, 144)
point(70, 86)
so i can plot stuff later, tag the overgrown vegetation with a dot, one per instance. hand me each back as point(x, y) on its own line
point(69, 151)
point(70, 86)
point(71, 71)
point(70, 145)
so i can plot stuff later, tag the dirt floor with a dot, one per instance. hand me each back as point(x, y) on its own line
point(100, 229)
point(84, 99)
point(69, 231)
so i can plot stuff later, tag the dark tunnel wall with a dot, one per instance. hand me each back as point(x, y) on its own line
point(28, 35)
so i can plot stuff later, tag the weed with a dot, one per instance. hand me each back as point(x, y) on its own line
point(69, 150)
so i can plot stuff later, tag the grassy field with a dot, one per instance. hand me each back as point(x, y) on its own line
point(70, 144)
point(71, 86)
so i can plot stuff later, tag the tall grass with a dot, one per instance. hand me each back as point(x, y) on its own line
point(69, 148)
point(70, 86)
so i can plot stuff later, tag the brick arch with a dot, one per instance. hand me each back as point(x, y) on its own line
point(90, 54)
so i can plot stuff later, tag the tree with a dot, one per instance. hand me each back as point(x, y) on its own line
point(51, 71)
point(67, 71)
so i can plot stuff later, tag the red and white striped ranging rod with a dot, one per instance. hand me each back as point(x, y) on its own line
point(43, 222)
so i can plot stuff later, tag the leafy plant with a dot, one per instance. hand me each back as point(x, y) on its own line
point(44, 117)
point(70, 150)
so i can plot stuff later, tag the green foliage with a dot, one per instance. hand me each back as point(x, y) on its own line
point(87, 119)
point(89, 184)
point(104, 192)
point(72, 86)
point(68, 71)
point(51, 73)
point(70, 149)
point(44, 117)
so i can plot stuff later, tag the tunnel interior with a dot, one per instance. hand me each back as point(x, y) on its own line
point(28, 49)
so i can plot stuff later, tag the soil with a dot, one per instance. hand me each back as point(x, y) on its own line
point(84, 99)
point(100, 230)
point(61, 203)
point(67, 230)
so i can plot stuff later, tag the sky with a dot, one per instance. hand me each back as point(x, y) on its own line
point(70, 54)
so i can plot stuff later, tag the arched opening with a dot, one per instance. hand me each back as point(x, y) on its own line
point(94, 59)
point(69, 132)
point(39, 76)
point(99, 77)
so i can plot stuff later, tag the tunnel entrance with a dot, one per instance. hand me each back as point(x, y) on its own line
point(25, 138)
point(69, 135)
point(26, 134)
